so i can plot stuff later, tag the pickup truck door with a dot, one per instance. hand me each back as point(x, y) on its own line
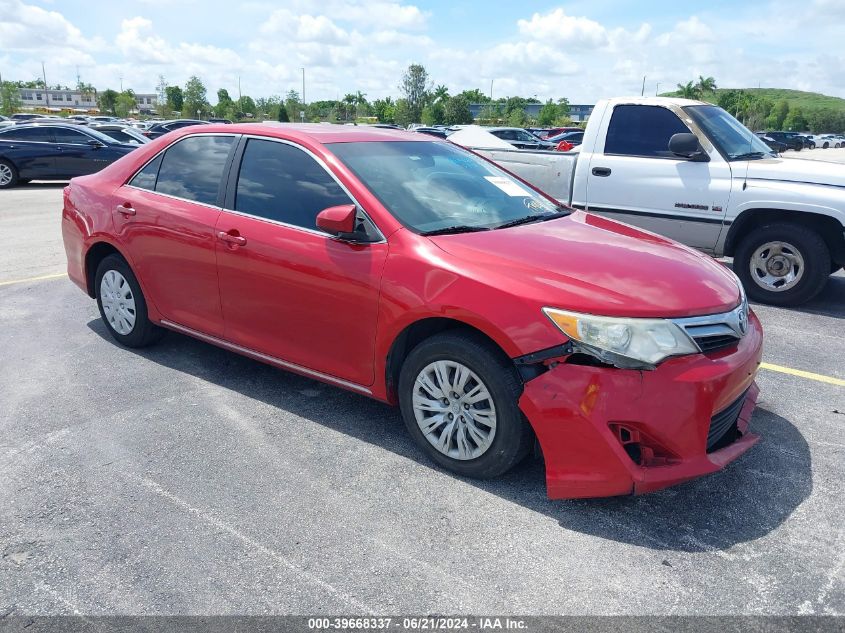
point(634, 178)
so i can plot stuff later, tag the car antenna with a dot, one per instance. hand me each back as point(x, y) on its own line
point(747, 161)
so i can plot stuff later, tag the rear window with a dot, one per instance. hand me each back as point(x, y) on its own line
point(192, 168)
point(33, 134)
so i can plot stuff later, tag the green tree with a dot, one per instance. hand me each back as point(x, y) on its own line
point(10, 98)
point(440, 93)
point(402, 113)
point(549, 113)
point(246, 106)
point(456, 111)
point(689, 90)
point(362, 106)
point(705, 85)
point(474, 96)
point(383, 109)
point(194, 102)
point(433, 114)
point(175, 99)
point(414, 87)
point(795, 120)
point(107, 100)
point(225, 106)
point(491, 113)
point(282, 116)
point(124, 103)
point(778, 116)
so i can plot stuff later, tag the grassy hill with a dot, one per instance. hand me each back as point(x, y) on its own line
point(795, 98)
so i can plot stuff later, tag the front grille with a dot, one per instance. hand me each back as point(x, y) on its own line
point(723, 425)
point(715, 342)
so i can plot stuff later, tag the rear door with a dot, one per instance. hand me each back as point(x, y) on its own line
point(633, 177)
point(31, 150)
point(166, 216)
point(288, 289)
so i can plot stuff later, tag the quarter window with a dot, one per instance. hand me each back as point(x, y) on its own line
point(193, 168)
point(282, 183)
point(146, 178)
point(636, 130)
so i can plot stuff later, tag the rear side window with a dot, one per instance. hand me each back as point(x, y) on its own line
point(146, 178)
point(35, 134)
point(636, 130)
point(192, 168)
point(282, 183)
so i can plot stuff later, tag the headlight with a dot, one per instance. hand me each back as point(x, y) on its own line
point(623, 342)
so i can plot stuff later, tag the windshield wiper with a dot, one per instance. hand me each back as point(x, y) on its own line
point(458, 228)
point(539, 217)
point(750, 155)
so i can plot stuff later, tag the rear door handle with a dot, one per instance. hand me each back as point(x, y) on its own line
point(235, 240)
point(125, 209)
point(601, 171)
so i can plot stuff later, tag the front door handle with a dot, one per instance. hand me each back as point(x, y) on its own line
point(601, 171)
point(126, 209)
point(232, 238)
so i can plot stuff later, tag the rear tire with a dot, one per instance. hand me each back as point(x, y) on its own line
point(8, 174)
point(482, 432)
point(782, 264)
point(122, 305)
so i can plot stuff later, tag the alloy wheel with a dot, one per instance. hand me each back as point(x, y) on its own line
point(777, 266)
point(5, 174)
point(454, 409)
point(118, 302)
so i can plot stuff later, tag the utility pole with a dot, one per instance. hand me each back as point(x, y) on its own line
point(642, 93)
point(46, 87)
point(240, 96)
point(491, 90)
point(302, 112)
point(657, 89)
point(121, 83)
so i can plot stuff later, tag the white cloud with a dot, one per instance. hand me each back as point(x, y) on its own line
point(560, 27)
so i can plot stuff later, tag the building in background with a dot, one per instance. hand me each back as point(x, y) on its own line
point(146, 103)
point(57, 100)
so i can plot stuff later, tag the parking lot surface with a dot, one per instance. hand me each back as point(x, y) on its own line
point(183, 479)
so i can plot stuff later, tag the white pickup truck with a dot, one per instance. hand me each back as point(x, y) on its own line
point(690, 171)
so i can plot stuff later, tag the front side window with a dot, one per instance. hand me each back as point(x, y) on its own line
point(637, 130)
point(280, 182)
point(192, 168)
point(64, 135)
point(430, 186)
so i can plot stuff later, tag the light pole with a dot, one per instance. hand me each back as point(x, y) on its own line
point(302, 112)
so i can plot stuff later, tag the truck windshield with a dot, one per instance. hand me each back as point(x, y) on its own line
point(731, 138)
point(436, 187)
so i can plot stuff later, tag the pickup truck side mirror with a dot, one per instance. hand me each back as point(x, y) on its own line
point(686, 144)
point(343, 222)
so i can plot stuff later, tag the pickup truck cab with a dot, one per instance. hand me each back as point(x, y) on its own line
point(690, 171)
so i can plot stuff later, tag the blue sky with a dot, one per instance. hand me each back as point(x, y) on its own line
point(582, 51)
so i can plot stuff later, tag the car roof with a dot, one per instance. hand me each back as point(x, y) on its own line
point(70, 126)
point(315, 132)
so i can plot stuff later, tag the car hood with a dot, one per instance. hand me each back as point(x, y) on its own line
point(591, 264)
point(818, 172)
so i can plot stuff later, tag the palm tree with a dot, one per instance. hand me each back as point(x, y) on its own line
point(360, 99)
point(689, 91)
point(706, 84)
point(441, 92)
point(349, 101)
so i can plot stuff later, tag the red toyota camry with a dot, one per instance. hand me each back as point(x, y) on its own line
point(405, 268)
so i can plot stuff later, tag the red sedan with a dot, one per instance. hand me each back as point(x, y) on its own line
point(408, 269)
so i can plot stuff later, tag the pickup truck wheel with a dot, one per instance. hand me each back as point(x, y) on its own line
point(122, 304)
point(782, 264)
point(8, 175)
point(458, 395)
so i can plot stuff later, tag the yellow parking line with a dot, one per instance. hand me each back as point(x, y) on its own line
point(803, 374)
point(30, 279)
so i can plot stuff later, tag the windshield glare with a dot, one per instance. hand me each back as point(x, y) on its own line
point(731, 138)
point(430, 186)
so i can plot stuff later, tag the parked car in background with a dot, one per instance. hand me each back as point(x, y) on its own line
point(776, 146)
point(82, 118)
point(555, 131)
point(573, 138)
point(690, 171)
point(387, 126)
point(163, 127)
point(808, 141)
point(216, 120)
point(54, 151)
point(103, 119)
point(520, 138)
point(24, 116)
point(790, 139)
point(123, 133)
point(432, 131)
point(491, 315)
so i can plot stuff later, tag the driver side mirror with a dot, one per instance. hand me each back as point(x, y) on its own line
point(338, 221)
point(686, 144)
point(95, 144)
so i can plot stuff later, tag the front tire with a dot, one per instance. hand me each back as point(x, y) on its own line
point(8, 175)
point(458, 396)
point(782, 264)
point(122, 304)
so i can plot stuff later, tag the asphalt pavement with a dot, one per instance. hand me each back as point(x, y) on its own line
point(184, 479)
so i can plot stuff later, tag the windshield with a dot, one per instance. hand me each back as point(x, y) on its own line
point(438, 187)
point(731, 138)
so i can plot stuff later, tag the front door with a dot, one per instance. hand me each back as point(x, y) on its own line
point(77, 156)
point(635, 179)
point(289, 290)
